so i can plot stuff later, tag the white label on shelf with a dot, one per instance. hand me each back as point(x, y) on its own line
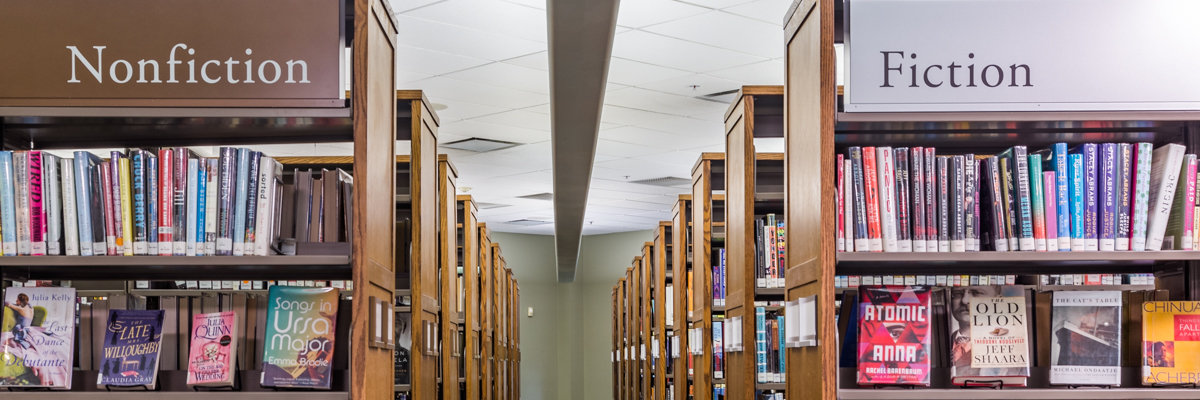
point(898, 58)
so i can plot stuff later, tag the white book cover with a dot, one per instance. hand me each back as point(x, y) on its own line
point(1165, 166)
point(848, 208)
point(266, 195)
point(70, 217)
point(1086, 338)
point(193, 191)
point(885, 166)
point(210, 207)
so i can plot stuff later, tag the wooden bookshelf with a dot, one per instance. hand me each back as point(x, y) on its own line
point(447, 216)
point(487, 313)
point(1015, 262)
point(469, 239)
point(616, 344)
point(628, 328)
point(498, 351)
point(660, 263)
point(516, 337)
point(680, 265)
point(120, 268)
point(708, 176)
point(645, 333)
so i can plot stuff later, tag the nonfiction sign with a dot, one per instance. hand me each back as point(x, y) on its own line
point(1022, 55)
point(172, 53)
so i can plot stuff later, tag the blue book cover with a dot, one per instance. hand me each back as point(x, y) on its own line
point(138, 169)
point(131, 348)
point(83, 172)
point(1091, 207)
point(1077, 203)
point(8, 206)
point(193, 166)
point(1106, 198)
point(152, 204)
point(1062, 194)
point(240, 199)
point(718, 332)
point(201, 207)
point(1024, 196)
point(781, 346)
point(760, 341)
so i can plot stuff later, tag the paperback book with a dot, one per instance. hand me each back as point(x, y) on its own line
point(38, 337)
point(131, 349)
point(894, 335)
point(212, 360)
point(301, 323)
point(1086, 338)
point(1170, 342)
point(989, 335)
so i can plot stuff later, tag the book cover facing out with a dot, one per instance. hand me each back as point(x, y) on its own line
point(989, 334)
point(1086, 338)
point(298, 350)
point(38, 337)
point(894, 337)
point(131, 347)
point(211, 359)
point(403, 350)
point(1170, 342)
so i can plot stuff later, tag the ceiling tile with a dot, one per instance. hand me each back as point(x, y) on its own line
point(483, 171)
point(459, 110)
point(538, 61)
point(453, 89)
point(646, 137)
point(626, 186)
point(619, 149)
point(403, 78)
point(629, 72)
point(629, 116)
point(497, 17)
point(682, 158)
point(471, 128)
point(717, 4)
point(641, 165)
point(526, 163)
point(640, 13)
point(429, 62)
point(642, 99)
point(772, 11)
point(540, 109)
point(679, 54)
point(400, 6)
point(763, 73)
point(538, 4)
point(506, 76)
point(693, 86)
point(425, 34)
point(518, 119)
point(689, 126)
point(727, 31)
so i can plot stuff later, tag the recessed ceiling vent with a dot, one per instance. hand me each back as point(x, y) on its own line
point(725, 97)
point(479, 145)
point(666, 181)
point(527, 222)
point(539, 196)
point(488, 206)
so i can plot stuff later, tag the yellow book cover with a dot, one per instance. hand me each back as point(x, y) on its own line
point(126, 208)
point(1170, 328)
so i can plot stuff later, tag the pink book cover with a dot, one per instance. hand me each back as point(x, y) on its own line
point(841, 223)
point(37, 209)
point(214, 343)
point(1189, 202)
point(1051, 207)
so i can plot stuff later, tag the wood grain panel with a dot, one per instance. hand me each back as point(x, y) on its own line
point(374, 113)
point(702, 276)
point(487, 317)
point(739, 241)
point(448, 269)
point(662, 236)
point(472, 349)
point(623, 340)
point(512, 334)
point(425, 268)
point(647, 319)
point(679, 238)
point(497, 360)
point(809, 118)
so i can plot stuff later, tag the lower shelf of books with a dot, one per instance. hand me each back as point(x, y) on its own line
point(1013, 262)
point(1038, 388)
point(109, 268)
point(177, 395)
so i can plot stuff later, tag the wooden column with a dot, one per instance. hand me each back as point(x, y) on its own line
point(647, 317)
point(448, 268)
point(511, 360)
point(623, 332)
point(679, 237)
point(616, 341)
point(374, 112)
point(487, 316)
point(631, 382)
point(660, 257)
point(516, 335)
point(702, 280)
point(472, 350)
point(809, 118)
point(497, 362)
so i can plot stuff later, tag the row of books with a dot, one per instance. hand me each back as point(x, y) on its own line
point(212, 285)
point(768, 345)
point(1093, 197)
point(770, 246)
point(40, 328)
point(854, 281)
point(166, 201)
point(991, 334)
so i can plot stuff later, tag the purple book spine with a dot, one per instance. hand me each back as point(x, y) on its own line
point(1091, 222)
point(917, 176)
point(931, 225)
point(1106, 198)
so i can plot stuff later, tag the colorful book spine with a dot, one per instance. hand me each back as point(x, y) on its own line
point(917, 184)
point(37, 207)
point(903, 214)
point(126, 207)
point(210, 207)
point(71, 243)
point(944, 192)
point(1050, 210)
point(151, 173)
point(931, 226)
point(21, 167)
point(957, 203)
point(1106, 188)
point(1060, 161)
point(98, 201)
point(111, 228)
point(166, 202)
point(141, 243)
point(998, 224)
point(8, 207)
point(760, 343)
point(198, 230)
point(870, 180)
point(1008, 191)
point(1124, 195)
point(1164, 178)
point(1142, 163)
point(179, 171)
point(970, 203)
point(114, 192)
point(886, 172)
point(52, 200)
point(1024, 203)
point(1179, 224)
point(847, 199)
point(1091, 205)
point(83, 167)
point(225, 211)
point(255, 165)
point(241, 193)
point(840, 188)
point(1037, 201)
point(859, 203)
point(193, 193)
point(1078, 208)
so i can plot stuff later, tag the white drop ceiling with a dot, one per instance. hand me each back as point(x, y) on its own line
point(483, 63)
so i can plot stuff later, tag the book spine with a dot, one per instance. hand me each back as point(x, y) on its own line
point(228, 171)
point(780, 252)
point(1063, 192)
point(848, 200)
point(21, 164)
point(193, 175)
point(8, 208)
point(1189, 205)
point(957, 201)
point(859, 203)
point(944, 213)
point(151, 173)
point(1037, 201)
point(240, 197)
point(52, 195)
point(1140, 202)
point(969, 198)
point(886, 172)
point(140, 227)
point(210, 206)
point(870, 180)
point(1178, 231)
point(98, 202)
point(903, 217)
point(996, 200)
point(977, 217)
point(37, 206)
point(1050, 210)
point(760, 342)
point(917, 179)
point(252, 187)
point(1091, 210)
point(1078, 209)
point(931, 225)
point(841, 213)
point(1164, 175)
point(1106, 188)
point(83, 210)
point(166, 202)
point(1122, 192)
point(110, 218)
point(118, 210)
point(126, 207)
point(1024, 205)
point(179, 191)
point(198, 230)
point(69, 209)
point(1008, 191)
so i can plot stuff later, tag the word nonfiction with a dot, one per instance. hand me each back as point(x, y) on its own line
point(991, 75)
point(122, 71)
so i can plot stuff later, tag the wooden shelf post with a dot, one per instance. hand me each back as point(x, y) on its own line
point(470, 241)
point(680, 215)
point(487, 313)
point(448, 269)
point(660, 257)
point(703, 179)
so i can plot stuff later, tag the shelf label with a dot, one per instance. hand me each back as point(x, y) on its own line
point(1021, 55)
point(187, 53)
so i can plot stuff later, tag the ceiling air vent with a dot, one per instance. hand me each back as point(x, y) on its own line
point(725, 97)
point(666, 181)
point(488, 206)
point(539, 196)
point(527, 222)
point(479, 145)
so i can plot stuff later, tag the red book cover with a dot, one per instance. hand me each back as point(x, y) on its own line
point(870, 183)
point(37, 206)
point(841, 208)
point(166, 202)
point(894, 337)
point(110, 222)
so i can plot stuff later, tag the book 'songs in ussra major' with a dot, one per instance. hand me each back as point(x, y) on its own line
point(1170, 342)
point(38, 335)
point(132, 342)
point(299, 339)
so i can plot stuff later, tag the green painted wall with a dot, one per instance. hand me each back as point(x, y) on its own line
point(566, 345)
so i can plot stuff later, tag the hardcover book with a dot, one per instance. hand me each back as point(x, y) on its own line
point(152, 211)
point(52, 203)
point(1038, 202)
point(1050, 210)
point(8, 208)
point(943, 205)
point(1091, 206)
point(38, 337)
point(69, 209)
point(37, 205)
point(1008, 193)
point(131, 349)
point(1024, 206)
point(871, 184)
point(1059, 161)
point(212, 357)
point(21, 183)
point(1124, 194)
point(931, 228)
point(970, 205)
point(989, 335)
point(894, 335)
point(957, 166)
point(1164, 180)
point(1179, 224)
point(1106, 200)
point(858, 206)
point(401, 356)
point(1142, 161)
point(166, 202)
point(1086, 338)
point(904, 240)
point(917, 209)
point(1075, 165)
point(1170, 342)
point(886, 171)
point(301, 324)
